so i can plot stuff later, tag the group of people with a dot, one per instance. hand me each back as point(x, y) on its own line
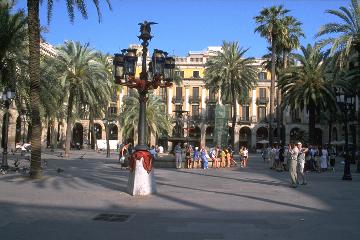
point(199, 158)
point(298, 159)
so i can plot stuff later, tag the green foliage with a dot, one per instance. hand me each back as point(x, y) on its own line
point(344, 36)
point(309, 84)
point(231, 70)
point(157, 122)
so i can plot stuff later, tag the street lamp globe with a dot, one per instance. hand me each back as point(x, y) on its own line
point(119, 72)
point(130, 64)
point(169, 69)
point(158, 62)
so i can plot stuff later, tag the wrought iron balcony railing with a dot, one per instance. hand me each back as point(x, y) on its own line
point(194, 99)
point(262, 100)
point(177, 100)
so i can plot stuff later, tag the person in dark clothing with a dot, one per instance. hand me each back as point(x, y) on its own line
point(281, 158)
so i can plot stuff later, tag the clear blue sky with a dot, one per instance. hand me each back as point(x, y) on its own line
point(184, 25)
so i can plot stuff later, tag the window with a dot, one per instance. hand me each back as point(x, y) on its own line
point(114, 96)
point(196, 74)
point(262, 76)
point(178, 92)
point(195, 92)
point(261, 113)
point(245, 113)
point(180, 74)
point(195, 111)
point(262, 92)
point(211, 112)
point(112, 110)
point(191, 59)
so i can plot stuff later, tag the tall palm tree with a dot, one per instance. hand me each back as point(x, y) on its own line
point(84, 79)
point(270, 26)
point(347, 38)
point(156, 120)
point(308, 85)
point(34, 70)
point(233, 74)
point(289, 40)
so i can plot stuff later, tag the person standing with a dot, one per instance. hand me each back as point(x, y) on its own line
point(213, 156)
point(332, 154)
point(293, 155)
point(246, 157)
point(281, 158)
point(196, 157)
point(178, 155)
point(301, 162)
point(324, 159)
point(204, 158)
point(188, 156)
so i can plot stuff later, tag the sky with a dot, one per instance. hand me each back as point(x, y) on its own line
point(183, 25)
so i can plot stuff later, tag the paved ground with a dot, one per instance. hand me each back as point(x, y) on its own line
point(252, 203)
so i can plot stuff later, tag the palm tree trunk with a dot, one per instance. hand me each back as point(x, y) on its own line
point(34, 72)
point(233, 124)
point(280, 112)
point(69, 124)
point(92, 130)
point(311, 130)
point(272, 91)
point(53, 134)
point(329, 132)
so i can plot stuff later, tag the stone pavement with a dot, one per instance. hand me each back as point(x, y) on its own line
point(233, 203)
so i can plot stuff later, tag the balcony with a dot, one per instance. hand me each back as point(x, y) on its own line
point(177, 100)
point(210, 100)
point(244, 120)
point(262, 100)
point(194, 99)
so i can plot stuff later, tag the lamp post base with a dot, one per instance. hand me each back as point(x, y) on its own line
point(347, 177)
point(141, 179)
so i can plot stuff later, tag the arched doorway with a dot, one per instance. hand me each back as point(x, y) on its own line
point(113, 132)
point(77, 136)
point(209, 137)
point(334, 134)
point(98, 131)
point(245, 137)
point(318, 136)
point(262, 137)
point(195, 135)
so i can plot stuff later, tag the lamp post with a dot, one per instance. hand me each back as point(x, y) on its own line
point(346, 103)
point(7, 97)
point(159, 74)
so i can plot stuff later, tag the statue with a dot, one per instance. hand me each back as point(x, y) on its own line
point(145, 29)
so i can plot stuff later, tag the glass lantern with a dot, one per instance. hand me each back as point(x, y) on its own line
point(119, 68)
point(130, 64)
point(158, 62)
point(169, 69)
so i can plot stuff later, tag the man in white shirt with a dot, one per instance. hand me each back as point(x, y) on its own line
point(301, 162)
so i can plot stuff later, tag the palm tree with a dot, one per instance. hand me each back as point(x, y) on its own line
point(308, 85)
point(347, 32)
point(270, 26)
point(156, 120)
point(34, 70)
point(233, 74)
point(84, 79)
point(12, 44)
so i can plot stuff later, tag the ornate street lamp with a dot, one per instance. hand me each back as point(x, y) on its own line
point(7, 97)
point(159, 74)
point(346, 104)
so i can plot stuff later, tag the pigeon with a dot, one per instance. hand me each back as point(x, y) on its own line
point(59, 170)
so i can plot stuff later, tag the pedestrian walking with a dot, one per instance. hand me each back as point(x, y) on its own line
point(178, 155)
point(196, 158)
point(324, 159)
point(293, 155)
point(246, 157)
point(188, 156)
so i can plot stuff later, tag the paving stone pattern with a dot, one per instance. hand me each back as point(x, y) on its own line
point(232, 203)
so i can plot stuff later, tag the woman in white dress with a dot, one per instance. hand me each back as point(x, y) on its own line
point(324, 159)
